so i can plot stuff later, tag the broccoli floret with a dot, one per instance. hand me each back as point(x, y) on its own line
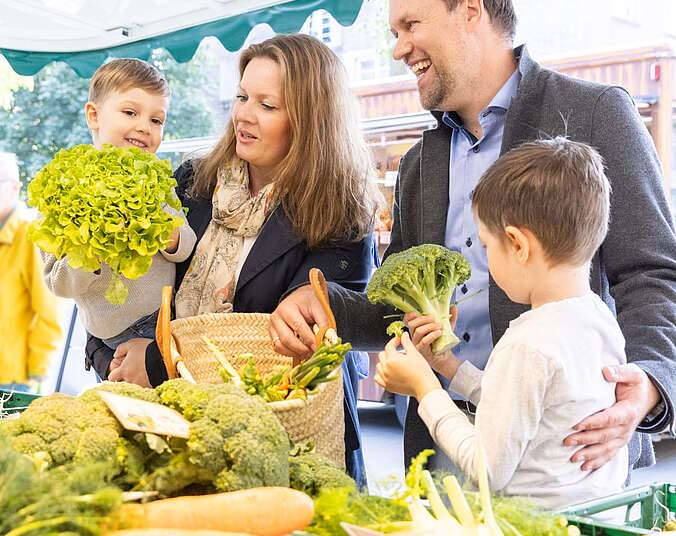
point(395, 329)
point(97, 444)
point(235, 441)
point(422, 279)
point(127, 389)
point(312, 472)
point(191, 400)
point(131, 459)
point(66, 428)
point(254, 443)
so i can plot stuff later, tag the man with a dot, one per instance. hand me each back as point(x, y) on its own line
point(29, 326)
point(488, 98)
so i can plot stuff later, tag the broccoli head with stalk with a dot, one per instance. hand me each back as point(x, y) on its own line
point(235, 441)
point(422, 279)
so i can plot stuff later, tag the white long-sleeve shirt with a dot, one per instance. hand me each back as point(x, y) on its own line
point(543, 377)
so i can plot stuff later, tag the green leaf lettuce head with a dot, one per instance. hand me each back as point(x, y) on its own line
point(104, 206)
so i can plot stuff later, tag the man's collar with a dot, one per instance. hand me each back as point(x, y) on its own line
point(525, 65)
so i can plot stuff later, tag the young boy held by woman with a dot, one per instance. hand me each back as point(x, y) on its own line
point(542, 211)
point(127, 107)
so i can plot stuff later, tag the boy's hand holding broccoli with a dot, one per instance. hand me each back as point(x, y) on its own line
point(406, 372)
point(424, 331)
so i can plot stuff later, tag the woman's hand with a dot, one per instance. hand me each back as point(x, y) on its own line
point(405, 372)
point(129, 363)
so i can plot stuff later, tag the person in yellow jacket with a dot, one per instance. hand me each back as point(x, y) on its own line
point(29, 326)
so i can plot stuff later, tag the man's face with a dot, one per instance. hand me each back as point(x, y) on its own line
point(431, 41)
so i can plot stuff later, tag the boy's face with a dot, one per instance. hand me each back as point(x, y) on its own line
point(132, 118)
point(503, 265)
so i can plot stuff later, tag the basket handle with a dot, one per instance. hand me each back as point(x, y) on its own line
point(318, 282)
point(163, 332)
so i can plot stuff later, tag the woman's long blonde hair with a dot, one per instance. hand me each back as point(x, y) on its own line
point(325, 182)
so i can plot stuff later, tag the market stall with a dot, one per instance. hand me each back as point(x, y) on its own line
point(240, 439)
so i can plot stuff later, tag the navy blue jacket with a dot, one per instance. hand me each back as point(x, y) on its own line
point(278, 263)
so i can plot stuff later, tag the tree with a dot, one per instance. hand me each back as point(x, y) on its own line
point(50, 116)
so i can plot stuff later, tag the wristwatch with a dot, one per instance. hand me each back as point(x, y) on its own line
point(657, 411)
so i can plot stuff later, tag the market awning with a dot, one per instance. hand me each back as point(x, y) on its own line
point(83, 33)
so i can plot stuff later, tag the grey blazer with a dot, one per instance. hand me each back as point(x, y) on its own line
point(634, 271)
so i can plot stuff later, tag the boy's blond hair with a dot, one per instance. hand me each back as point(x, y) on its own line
point(556, 189)
point(124, 74)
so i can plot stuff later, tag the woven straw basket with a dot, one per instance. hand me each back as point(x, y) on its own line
point(319, 419)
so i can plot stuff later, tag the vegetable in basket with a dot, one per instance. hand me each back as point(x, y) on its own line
point(285, 384)
point(422, 279)
point(104, 206)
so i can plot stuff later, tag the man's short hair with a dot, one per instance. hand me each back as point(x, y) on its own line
point(501, 12)
point(556, 189)
point(124, 74)
point(9, 168)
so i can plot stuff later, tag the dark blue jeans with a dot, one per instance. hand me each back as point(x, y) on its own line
point(143, 328)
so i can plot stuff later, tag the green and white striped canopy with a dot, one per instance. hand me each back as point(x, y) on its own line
point(83, 33)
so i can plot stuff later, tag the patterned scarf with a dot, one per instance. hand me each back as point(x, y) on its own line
point(209, 284)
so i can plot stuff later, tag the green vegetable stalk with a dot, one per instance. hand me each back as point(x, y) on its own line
point(106, 207)
point(422, 280)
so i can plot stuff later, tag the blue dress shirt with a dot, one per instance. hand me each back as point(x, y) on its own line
point(470, 158)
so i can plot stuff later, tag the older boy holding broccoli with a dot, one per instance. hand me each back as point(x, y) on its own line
point(542, 211)
point(128, 101)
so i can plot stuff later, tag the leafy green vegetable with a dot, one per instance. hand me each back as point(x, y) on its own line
point(335, 505)
point(76, 498)
point(422, 279)
point(311, 473)
point(104, 207)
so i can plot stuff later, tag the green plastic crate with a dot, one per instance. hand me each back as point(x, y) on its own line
point(646, 509)
point(12, 402)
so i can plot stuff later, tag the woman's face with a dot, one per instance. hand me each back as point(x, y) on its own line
point(260, 119)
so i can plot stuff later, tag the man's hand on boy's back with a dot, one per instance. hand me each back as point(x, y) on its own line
point(605, 433)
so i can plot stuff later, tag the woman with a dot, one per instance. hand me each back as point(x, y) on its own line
point(287, 188)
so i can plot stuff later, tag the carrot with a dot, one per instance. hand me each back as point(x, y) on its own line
point(269, 511)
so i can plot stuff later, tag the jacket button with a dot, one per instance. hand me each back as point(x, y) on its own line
point(464, 289)
point(476, 149)
point(468, 242)
point(466, 337)
point(343, 264)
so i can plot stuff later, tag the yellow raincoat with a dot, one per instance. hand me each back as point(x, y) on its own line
point(29, 326)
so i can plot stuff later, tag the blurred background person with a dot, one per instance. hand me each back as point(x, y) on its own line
point(29, 326)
